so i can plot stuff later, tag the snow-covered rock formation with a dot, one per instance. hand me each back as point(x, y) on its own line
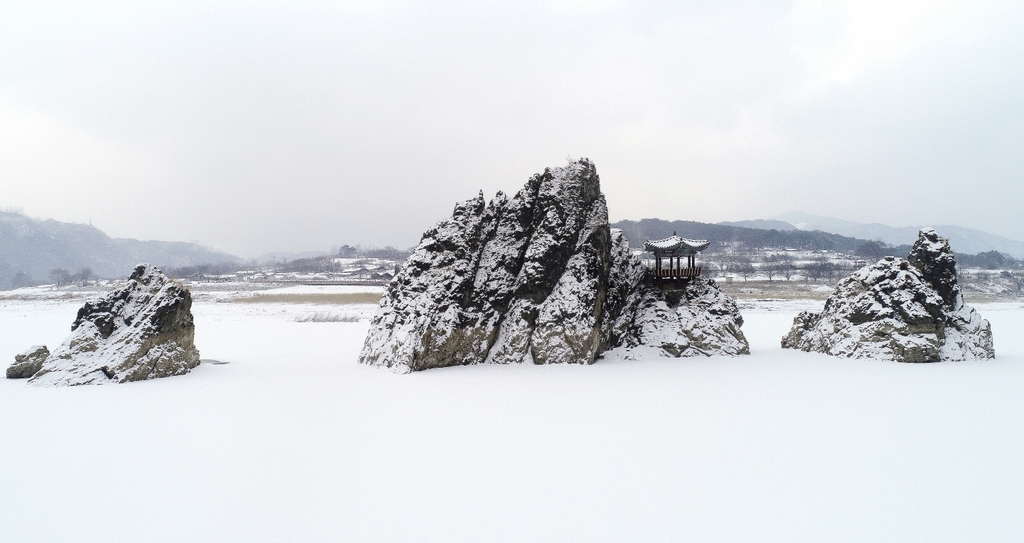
point(143, 330)
point(28, 363)
point(537, 278)
point(906, 310)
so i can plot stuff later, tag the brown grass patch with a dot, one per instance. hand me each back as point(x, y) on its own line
point(348, 298)
point(776, 290)
point(982, 299)
point(767, 295)
point(326, 316)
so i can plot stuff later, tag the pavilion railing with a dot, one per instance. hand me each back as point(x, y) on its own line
point(676, 273)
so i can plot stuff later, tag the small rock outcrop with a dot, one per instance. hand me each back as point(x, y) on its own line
point(539, 278)
point(142, 330)
point(694, 318)
point(905, 310)
point(28, 363)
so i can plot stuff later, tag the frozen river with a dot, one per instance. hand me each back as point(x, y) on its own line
point(292, 440)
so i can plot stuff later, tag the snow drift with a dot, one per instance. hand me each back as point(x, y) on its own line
point(143, 330)
point(906, 310)
point(542, 278)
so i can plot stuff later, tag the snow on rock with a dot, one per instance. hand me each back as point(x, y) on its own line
point(695, 320)
point(906, 310)
point(668, 320)
point(538, 278)
point(142, 330)
point(28, 363)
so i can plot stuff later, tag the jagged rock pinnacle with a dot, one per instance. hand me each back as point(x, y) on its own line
point(907, 310)
point(534, 278)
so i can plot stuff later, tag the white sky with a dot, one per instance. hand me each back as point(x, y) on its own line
point(253, 127)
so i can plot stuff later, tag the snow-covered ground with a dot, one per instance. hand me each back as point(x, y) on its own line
point(291, 440)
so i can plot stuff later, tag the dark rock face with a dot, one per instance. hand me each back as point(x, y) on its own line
point(905, 310)
point(933, 257)
point(143, 330)
point(535, 278)
point(28, 363)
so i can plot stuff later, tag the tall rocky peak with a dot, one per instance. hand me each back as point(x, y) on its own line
point(932, 255)
point(533, 278)
point(907, 310)
point(142, 330)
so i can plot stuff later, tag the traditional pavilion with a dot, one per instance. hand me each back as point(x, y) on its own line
point(674, 249)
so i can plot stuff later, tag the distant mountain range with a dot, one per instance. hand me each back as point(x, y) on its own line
point(762, 224)
point(638, 231)
point(814, 232)
point(31, 248)
point(963, 240)
point(35, 247)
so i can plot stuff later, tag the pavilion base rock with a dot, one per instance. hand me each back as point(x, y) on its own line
point(905, 310)
point(143, 330)
point(697, 319)
point(537, 278)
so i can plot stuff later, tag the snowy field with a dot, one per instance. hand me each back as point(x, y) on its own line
point(291, 440)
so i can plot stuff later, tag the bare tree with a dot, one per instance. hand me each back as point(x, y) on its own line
point(822, 268)
point(387, 253)
point(717, 262)
point(83, 275)
point(60, 276)
point(1016, 279)
point(812, 270)
point(788, 270)
point(22, 279)
point(779, 264)
point(723, 263)
point(830, 271)
point(744, 267)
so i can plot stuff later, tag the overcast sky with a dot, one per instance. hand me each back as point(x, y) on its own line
point(252, 127)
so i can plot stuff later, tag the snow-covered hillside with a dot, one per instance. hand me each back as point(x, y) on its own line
point(292, 440)
point(31, 248)
point(966, 240)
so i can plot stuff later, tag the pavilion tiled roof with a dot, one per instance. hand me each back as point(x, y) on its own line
point(676, 244)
